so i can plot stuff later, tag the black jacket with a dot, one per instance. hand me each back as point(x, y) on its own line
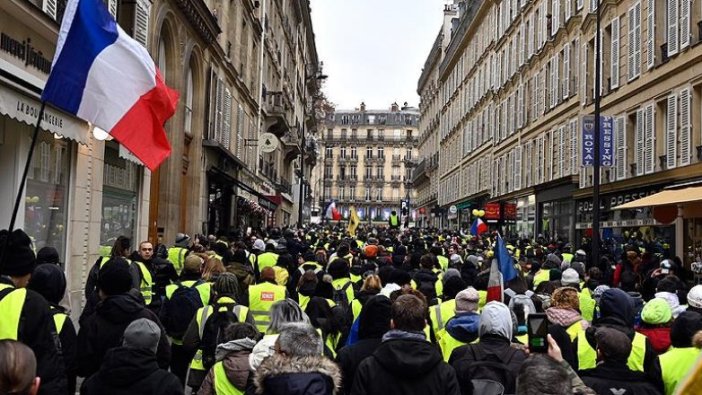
point(611, 377)
point(104, 329)
point(68, 338)
point(162, 271)
point(281, 375)
point(351, 356)
point(128, 371)
point(36, 330)
point(405, 366)
point(91, 292)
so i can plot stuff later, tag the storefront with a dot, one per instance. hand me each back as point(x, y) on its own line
point(555, 210)
point(120, 194)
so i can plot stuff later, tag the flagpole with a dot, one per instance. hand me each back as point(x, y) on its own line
point(23, 180)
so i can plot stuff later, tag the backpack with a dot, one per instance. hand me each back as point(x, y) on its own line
point(340, 297)
point(521, 299)
point(223, 315)
point(488, 373)
point(178, 310)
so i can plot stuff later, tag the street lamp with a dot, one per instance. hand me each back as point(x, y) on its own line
point(595, 250)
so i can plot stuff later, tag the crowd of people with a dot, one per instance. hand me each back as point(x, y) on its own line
point(321, 311)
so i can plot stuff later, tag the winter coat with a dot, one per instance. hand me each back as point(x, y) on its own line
point(162, 271)
point(129, 371)
point(405, 366)
point(262, 350)
point(104, 329)
point(91, 292)
point(36, 330)
point(312, 375)
point(464, 327)
point(351, 356)
point(235, 360)
point(659, 336)
point(615, 377)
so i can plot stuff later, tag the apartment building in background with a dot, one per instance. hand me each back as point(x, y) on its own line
point(367, 160)
point(517, 79)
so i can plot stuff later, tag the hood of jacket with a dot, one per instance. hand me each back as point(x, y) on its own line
point(496, 319)
point(119, 308)
point(374, 320)
point(464, 327)
point(122, 366)
point(236, 367)
point(312, 375)
point(564, 317)
point(406, 358)
point(616, 304)
point(684, 328)
point(425, 275)
point(673, 302)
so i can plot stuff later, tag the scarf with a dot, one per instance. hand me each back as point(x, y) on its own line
point(563, 317)
point(394, 334)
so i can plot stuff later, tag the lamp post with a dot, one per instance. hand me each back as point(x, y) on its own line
point(596, 165)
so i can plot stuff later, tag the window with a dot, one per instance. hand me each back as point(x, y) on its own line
point(634, 24)
point(379, 194)
point(369, 172)
point(329, 152)
point(342, 152)
point(369, 152)
point(379, 172)
point(368, 193)
point(353, 153)
point(381, 152)
point(328, 171)
point(352, 192)
point(188, 101)
point(614, 52)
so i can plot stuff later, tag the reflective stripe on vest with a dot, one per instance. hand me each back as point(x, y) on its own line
point(587, 356)
point(317, 267)
point(201, 318)
point(440, 314)
point(11, 306)
point(59, 321)
point(675, 364)
point(176, 255)
point(222, 384)
point(261, 299)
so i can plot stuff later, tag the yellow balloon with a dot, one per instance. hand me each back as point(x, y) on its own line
point(481, 213)
point(475, 212)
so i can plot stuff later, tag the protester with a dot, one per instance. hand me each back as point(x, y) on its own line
point(463, 327)
point(565, 321)
point(231, 373)
point(283, 312)
point(162, 271)
point(681, 357)
point(656, 321)
point(18, 369)
point(132, 369)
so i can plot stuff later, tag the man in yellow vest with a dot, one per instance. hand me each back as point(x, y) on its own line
point(444, 311)
point(268, 259)
point(181, 249)
point(677, 362)
point(19, 305)
point(394, 220)
point(463, 328)
point(262, 296)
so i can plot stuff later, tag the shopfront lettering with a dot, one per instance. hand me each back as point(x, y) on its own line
point(32, 111)
point(24, 51)
point(611, 201)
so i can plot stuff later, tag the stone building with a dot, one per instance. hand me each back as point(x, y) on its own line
point(367, 160)
point(516, 81)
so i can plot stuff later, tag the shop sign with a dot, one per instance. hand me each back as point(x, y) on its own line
point(625, 223)
point(492, 211)
point(464, 205)
point(510, 211)
point(24, 51)
point(452, 212)
point(607, 202)
point(267, 204)
point(605, 143)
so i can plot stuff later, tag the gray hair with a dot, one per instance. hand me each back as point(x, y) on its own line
point(284, 312)
point(541, 374)
point(299, 339)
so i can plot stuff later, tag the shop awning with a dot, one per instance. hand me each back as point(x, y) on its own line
point(666, 197)
point(25, 109)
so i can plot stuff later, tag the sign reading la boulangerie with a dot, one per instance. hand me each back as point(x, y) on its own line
point(26, 52)
point(606, 142)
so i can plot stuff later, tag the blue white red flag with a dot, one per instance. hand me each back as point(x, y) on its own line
point(102, 75)
point(479, 227)
point(501, 271)
point(332, 213)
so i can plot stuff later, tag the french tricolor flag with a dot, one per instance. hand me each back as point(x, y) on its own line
point(332, 213)
point(102, 75)
point(479, 227)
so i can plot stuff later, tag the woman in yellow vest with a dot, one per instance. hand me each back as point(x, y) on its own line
point(565, 321)
point(679, 360)
point(231, 374)
point(371, 287)
point(463, 327)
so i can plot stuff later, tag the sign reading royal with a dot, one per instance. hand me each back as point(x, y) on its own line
point(606, 142)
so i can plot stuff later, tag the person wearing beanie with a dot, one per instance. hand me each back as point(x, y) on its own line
point(694, 299)
point(373, 323)
point(677, 362)
point(49, 281)
point(339, 270)
point(617, 312)
point(223, 306)
point(119, 306)
point(462, 328)
point(440, 313)
point(231, 371)
point(611, 375)
point(48, 255)
point(132, 368)
point(28, 307)
point(565, 321)
point(656, 320)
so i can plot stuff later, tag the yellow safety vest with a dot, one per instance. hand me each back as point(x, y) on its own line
point(222, 384)
point(340, 283)
point(675, 364)
point(587, 305)
point(587, 356)
point(176, 255)
point(355, 278)
point(147, 282)
point(541, 276)
point(267, 259)
point(574, 329)
point(482, 299)
point(449, 343)
point(440, 314)
point(201, 317)
point(59, 320)
point(305, 300)
point(204, 289)
point(105, 251)
point(356, 308)
point(524, 339)
point(394, 220)
point(11, 306)
point(261, 299)
point(443, 262)
point(567, 257)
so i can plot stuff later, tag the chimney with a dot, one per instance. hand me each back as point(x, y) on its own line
point(395, 107)
point(363, 106)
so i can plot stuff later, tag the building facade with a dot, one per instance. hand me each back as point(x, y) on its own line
point(367, 160)
point(516, 81)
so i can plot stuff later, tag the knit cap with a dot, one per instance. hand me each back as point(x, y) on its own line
point(259, 245)
point(114, 277)
point(694, 297)
point(570, 277)
point(613, 344)
point(19, 258)
point(467, 301)
point(142, 334)
point(657, 311)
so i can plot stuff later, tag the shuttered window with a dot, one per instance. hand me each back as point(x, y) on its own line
point(574, 146)
point(650, 134)
point(651, 35)
point(685, 127)
point(141, 22)
point(518, 167)
point(566, 71)
point(684, 23)
point(614, 52)
point(620, 147)
point(672, 26)
point(671, 131)
point(49, 8)
point(634, 58)
point(640, 142)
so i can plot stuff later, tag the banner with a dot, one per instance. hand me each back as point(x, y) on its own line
point(606, 142)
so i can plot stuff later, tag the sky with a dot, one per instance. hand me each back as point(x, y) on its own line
point(374, 50)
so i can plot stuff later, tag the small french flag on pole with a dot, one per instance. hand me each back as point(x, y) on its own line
point(102, 75)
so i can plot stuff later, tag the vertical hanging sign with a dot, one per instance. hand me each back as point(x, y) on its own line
point(606, 141)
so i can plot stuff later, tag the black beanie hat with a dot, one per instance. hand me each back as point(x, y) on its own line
point(375, 318)
point(47, 255)
point(19, 258)
point(114, 277)
point(49, 281)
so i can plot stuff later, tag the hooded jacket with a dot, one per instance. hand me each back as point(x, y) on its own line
point(405, 366)
point(312, 375)
point(464, 327)
point(611, 377)
point(235, 359)
point(128, 371)
point(673, 302)
point(103, 330)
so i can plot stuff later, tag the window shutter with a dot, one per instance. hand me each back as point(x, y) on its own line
point(640, 137)
point(651, 35)
point(620, 141)
point(530, 36)
point(671, 132)
point(49, 7)
point(556, 81)
point(112, 7)
point(578, 5)
point(555, 18)
point(520, 106)
point(219, 103)
point(583, 63)
point(141, 22)
point(685, 127)
point(559, 142)
point(227, 119)
point(567, 10)
point(566, 71)
point(593, 5)
point(684, 24)
point(672, 18)
point(550, 145)
point(518, 167)
point(614, 73)
point(650, 134)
